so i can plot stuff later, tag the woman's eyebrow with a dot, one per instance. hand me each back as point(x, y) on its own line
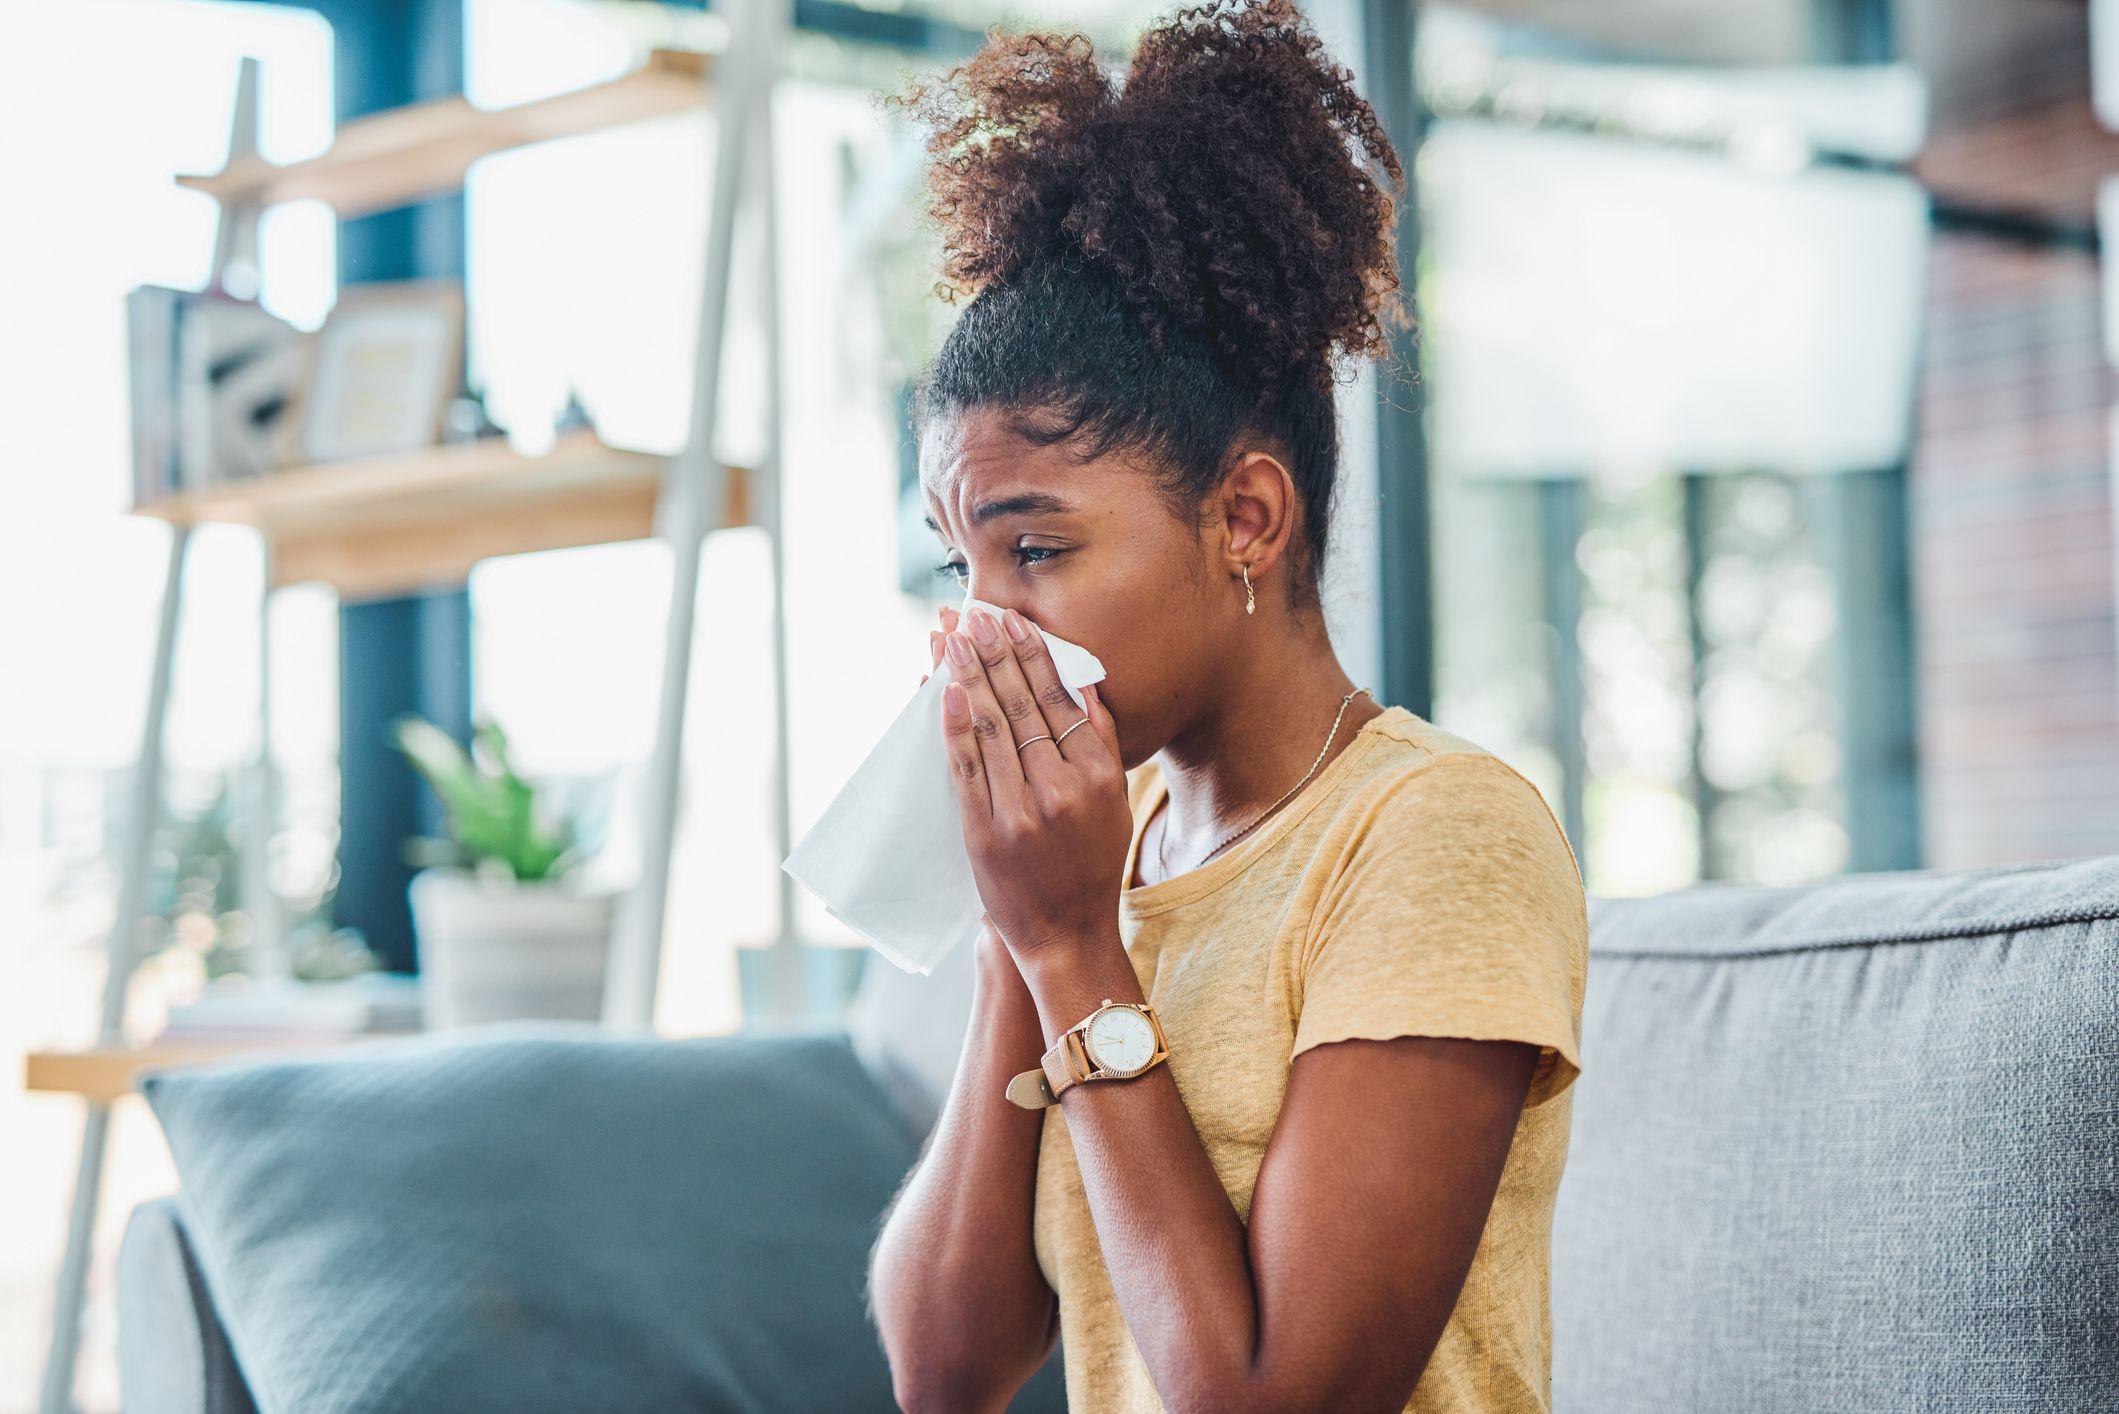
point(1027, 503)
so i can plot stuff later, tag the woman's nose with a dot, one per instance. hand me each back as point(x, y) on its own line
point(999, 608)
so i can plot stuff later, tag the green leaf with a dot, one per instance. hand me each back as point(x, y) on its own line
point(492, 812)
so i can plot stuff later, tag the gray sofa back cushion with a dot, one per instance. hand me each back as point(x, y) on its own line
point(537, 1217)
point(1847, 1146)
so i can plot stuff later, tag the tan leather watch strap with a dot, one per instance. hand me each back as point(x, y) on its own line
point(1030, 1090)
point(1035, 1089)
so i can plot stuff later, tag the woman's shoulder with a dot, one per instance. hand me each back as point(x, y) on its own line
point(1448, 903)
point(1421, 777)
point(1409, 746)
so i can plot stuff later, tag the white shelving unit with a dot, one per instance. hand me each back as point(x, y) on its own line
point(386, 526)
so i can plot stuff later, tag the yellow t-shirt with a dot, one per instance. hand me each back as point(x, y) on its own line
point(1417, 885)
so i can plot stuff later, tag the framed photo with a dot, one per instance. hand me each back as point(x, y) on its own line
point(383, 370)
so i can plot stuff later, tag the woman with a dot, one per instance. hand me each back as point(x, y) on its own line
point(1364, 938)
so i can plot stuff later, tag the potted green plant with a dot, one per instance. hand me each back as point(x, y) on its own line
point(506, 929)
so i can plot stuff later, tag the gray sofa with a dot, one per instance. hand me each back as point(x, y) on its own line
point(1850, 1146)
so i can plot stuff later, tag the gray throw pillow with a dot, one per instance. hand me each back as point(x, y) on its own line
point(538, 1216)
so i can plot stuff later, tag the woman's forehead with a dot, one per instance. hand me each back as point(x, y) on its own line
point(969, 448)
point(978, 470)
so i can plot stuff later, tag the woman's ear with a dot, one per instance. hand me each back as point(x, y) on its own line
point(1259, 507)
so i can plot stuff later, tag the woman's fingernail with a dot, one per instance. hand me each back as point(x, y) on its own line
point(959, 650)
point(953, 699)
point(1018, 627)
point(982, 626)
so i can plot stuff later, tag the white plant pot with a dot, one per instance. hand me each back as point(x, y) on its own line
point(509, 951)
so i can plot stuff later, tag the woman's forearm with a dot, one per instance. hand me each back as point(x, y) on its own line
point(1190, 1305)
point(964, 1313)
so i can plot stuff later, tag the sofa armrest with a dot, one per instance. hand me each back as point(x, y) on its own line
point(173, 1352)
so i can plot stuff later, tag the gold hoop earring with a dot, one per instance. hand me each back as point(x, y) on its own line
point(1250, 600)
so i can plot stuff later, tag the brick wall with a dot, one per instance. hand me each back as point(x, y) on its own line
point(2011, 522)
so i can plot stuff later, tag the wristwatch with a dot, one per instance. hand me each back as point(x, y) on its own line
point(1117, 1041)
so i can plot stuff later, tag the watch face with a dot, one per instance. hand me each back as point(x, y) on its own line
point(1120, 1039)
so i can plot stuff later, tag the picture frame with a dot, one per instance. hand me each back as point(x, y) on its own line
point(382, 370)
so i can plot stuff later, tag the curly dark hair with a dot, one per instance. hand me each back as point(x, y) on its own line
point(1167, 267)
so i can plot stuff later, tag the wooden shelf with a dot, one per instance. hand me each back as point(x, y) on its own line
point(406, 154)
point(107, 1073)
point(377, 526)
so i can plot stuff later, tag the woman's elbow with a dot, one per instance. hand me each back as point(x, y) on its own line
point(928, 1376)
point(1374, 1389)
point(937, 1391)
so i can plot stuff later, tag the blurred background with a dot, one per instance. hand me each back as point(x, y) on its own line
point(1755, 497)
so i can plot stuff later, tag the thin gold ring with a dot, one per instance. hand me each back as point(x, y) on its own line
point(1055, 740)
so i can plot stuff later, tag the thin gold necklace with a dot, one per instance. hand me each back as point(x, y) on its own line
point(1164, 838)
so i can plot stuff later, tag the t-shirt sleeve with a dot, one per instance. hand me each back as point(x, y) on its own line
point(1456, 909)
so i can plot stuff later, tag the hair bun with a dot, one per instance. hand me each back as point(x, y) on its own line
point(1227, 189)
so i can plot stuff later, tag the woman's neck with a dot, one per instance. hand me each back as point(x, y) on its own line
point(1227, 767)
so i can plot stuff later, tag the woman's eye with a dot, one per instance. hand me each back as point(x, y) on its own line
point(957, 568)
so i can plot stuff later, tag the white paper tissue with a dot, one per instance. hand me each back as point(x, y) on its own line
point(887, 856)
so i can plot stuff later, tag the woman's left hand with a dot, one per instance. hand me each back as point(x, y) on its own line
point(1047, 828)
